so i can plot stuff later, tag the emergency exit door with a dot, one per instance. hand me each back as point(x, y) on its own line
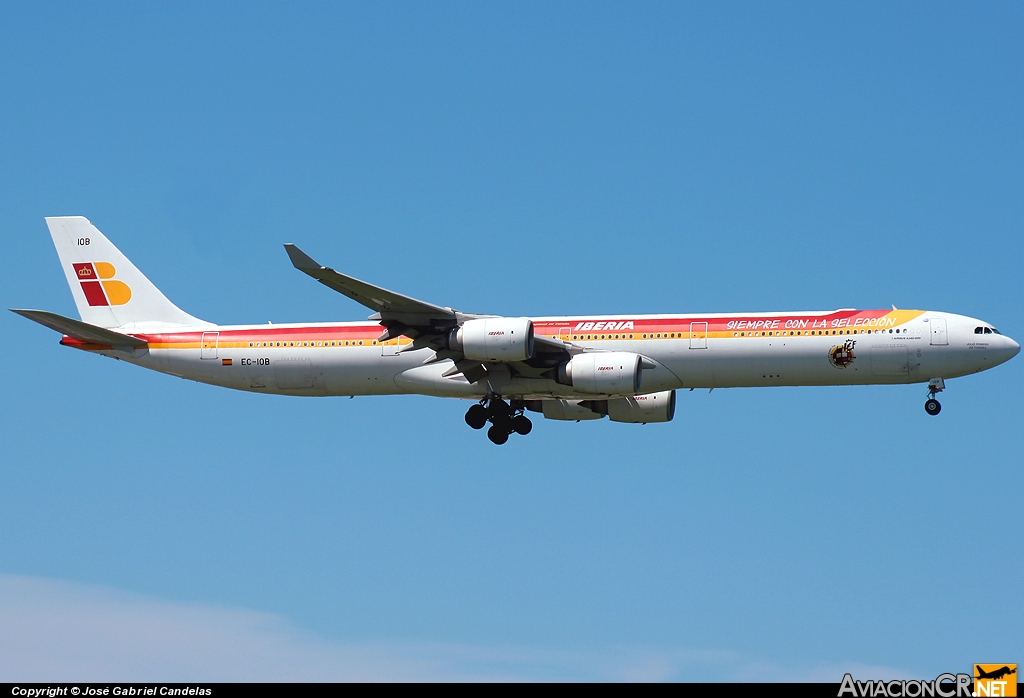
point(208, 345)
point(698, 335)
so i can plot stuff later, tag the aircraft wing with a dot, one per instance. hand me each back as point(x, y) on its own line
point(426, 324)
point(550, 344)
point(385, 302)
point(80, 330)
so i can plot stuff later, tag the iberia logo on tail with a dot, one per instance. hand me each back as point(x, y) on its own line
point(99, 285)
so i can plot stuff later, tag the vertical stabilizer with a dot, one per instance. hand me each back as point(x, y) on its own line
point(108, 290)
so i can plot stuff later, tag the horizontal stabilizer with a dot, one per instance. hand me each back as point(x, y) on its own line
point(373, 297)
point(80, 330)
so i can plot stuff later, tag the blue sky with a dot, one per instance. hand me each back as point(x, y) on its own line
point(523, 159)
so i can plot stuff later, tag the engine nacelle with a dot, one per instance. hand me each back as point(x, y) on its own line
point(602, 373)
point(567, 410)
point(643, 409)
point(494, 339)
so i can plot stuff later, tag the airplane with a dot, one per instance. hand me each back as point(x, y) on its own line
point(625, 367)
point(996, 674)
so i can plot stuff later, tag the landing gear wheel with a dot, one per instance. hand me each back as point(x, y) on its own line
point(497, 434)
point(497, 410)
point(502, 421)
point(522, 425)
point(932, 407)
point(476, 417)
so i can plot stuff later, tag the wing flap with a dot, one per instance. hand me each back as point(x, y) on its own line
point(80, 330)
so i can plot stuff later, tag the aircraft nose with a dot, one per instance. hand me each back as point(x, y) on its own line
point(1013, 348)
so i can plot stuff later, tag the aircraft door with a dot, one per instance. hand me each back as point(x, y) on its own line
point(208, 345)
point(938, 330)
point(698, 335)
point(390, 347)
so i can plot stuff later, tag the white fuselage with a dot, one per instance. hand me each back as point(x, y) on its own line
point(844, 347)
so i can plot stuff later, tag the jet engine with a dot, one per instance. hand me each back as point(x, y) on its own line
point(602, 373)
point(643, 409)
point(636, 409)
point(494, 339)
point(566, 410)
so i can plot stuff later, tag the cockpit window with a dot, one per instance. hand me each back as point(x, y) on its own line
point(995, 331)
point(978, 330)
point(988, 330)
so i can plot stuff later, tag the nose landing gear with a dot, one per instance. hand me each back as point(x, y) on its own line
point(505, 418)
point(935, 386)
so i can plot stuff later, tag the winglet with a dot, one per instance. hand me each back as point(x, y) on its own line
point(301, 260)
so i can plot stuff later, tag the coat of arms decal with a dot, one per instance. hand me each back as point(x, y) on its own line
point(842, 355)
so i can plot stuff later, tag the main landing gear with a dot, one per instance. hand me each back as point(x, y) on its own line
point(505, 418)
point(935, 386)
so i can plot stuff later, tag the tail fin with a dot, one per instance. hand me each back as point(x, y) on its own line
point(108, 290)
